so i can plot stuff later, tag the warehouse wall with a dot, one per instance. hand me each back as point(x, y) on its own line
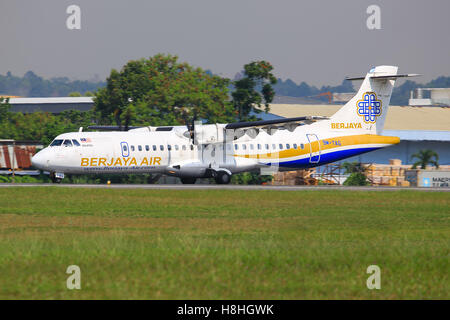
point(404, 150)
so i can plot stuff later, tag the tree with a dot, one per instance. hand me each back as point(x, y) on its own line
point(425, 157)
point(357, 175)
point(32, 85)
point(75, 94)
point(250, 178)
point(40, 126)
point(4, 109)
point(162, 91)
point(254, 88)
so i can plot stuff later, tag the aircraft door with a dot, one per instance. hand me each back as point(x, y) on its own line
point(124, 149)
point(314, 148)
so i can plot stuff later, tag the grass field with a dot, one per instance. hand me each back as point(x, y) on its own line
point(223, 244)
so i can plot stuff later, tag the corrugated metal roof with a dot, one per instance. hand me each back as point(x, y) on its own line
point(13, 101)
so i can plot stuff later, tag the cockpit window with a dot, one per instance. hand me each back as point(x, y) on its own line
point(67, 143)
point(56, 143)
point(75, 143)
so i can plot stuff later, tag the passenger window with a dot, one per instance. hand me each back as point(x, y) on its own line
point(251, 147)
point(169, 147)
point(161, 147)
point(288, 146)
point(75, 143)
point(302, 146)
point(259, 146)
point(154, 147)
point(56, 143)
point(147, 148)
point(183, 147)
point(295, 146)
point(140, 148)
point(192, 147)
point(125, 148)
point(236, 147)
point(132, 148)
point(267, 146)
point(67, 143)
point(244, 146)
point(176, 147)
point(281, 146)
point(274, 146)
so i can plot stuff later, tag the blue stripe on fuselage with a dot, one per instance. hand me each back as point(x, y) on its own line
point(325, 158)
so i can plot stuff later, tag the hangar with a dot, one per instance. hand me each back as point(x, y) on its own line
point(52, 105)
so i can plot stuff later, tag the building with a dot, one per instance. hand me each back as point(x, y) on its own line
point(51, 105)
point(17, 154)
point(430, 97)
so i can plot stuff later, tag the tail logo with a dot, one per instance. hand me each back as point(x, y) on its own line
point(369, 107)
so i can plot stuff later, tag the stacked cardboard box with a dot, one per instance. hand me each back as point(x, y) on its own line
point(392, 174)
point(298, 177)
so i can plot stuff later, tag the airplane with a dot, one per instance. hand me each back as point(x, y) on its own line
point(220, 150)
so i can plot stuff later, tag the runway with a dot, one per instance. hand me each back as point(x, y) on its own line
point(220, 187)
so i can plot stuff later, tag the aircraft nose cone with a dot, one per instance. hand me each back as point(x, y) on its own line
point(38, 160)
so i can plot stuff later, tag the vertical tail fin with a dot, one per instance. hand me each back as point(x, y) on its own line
point(367, 110)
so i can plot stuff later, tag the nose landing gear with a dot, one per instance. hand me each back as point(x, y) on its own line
point(56, 177)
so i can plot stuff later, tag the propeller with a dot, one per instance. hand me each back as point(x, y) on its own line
point(190, 128)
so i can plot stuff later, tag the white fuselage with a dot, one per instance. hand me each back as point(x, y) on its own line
point(171, 152)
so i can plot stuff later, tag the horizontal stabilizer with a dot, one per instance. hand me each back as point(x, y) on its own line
point(391, 77)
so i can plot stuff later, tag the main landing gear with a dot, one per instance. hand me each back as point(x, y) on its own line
point(222, 177)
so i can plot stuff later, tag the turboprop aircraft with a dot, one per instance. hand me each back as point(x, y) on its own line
point(221, 150)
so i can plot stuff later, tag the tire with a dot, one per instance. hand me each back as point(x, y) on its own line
point(54, 179)
point(188, 180)
point(223, 178)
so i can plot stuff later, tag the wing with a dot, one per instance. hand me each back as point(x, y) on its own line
point(263, 123)
point(112, 128)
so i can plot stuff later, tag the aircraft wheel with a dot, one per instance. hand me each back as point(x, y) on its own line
point(223, 178)
point(188, 180)
point(54, 179)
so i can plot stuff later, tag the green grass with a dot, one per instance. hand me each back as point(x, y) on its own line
point(223, 244)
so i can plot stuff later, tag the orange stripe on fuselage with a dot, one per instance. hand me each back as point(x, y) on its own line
point(326, 144)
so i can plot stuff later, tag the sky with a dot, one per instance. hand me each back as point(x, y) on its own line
point(320, 42)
